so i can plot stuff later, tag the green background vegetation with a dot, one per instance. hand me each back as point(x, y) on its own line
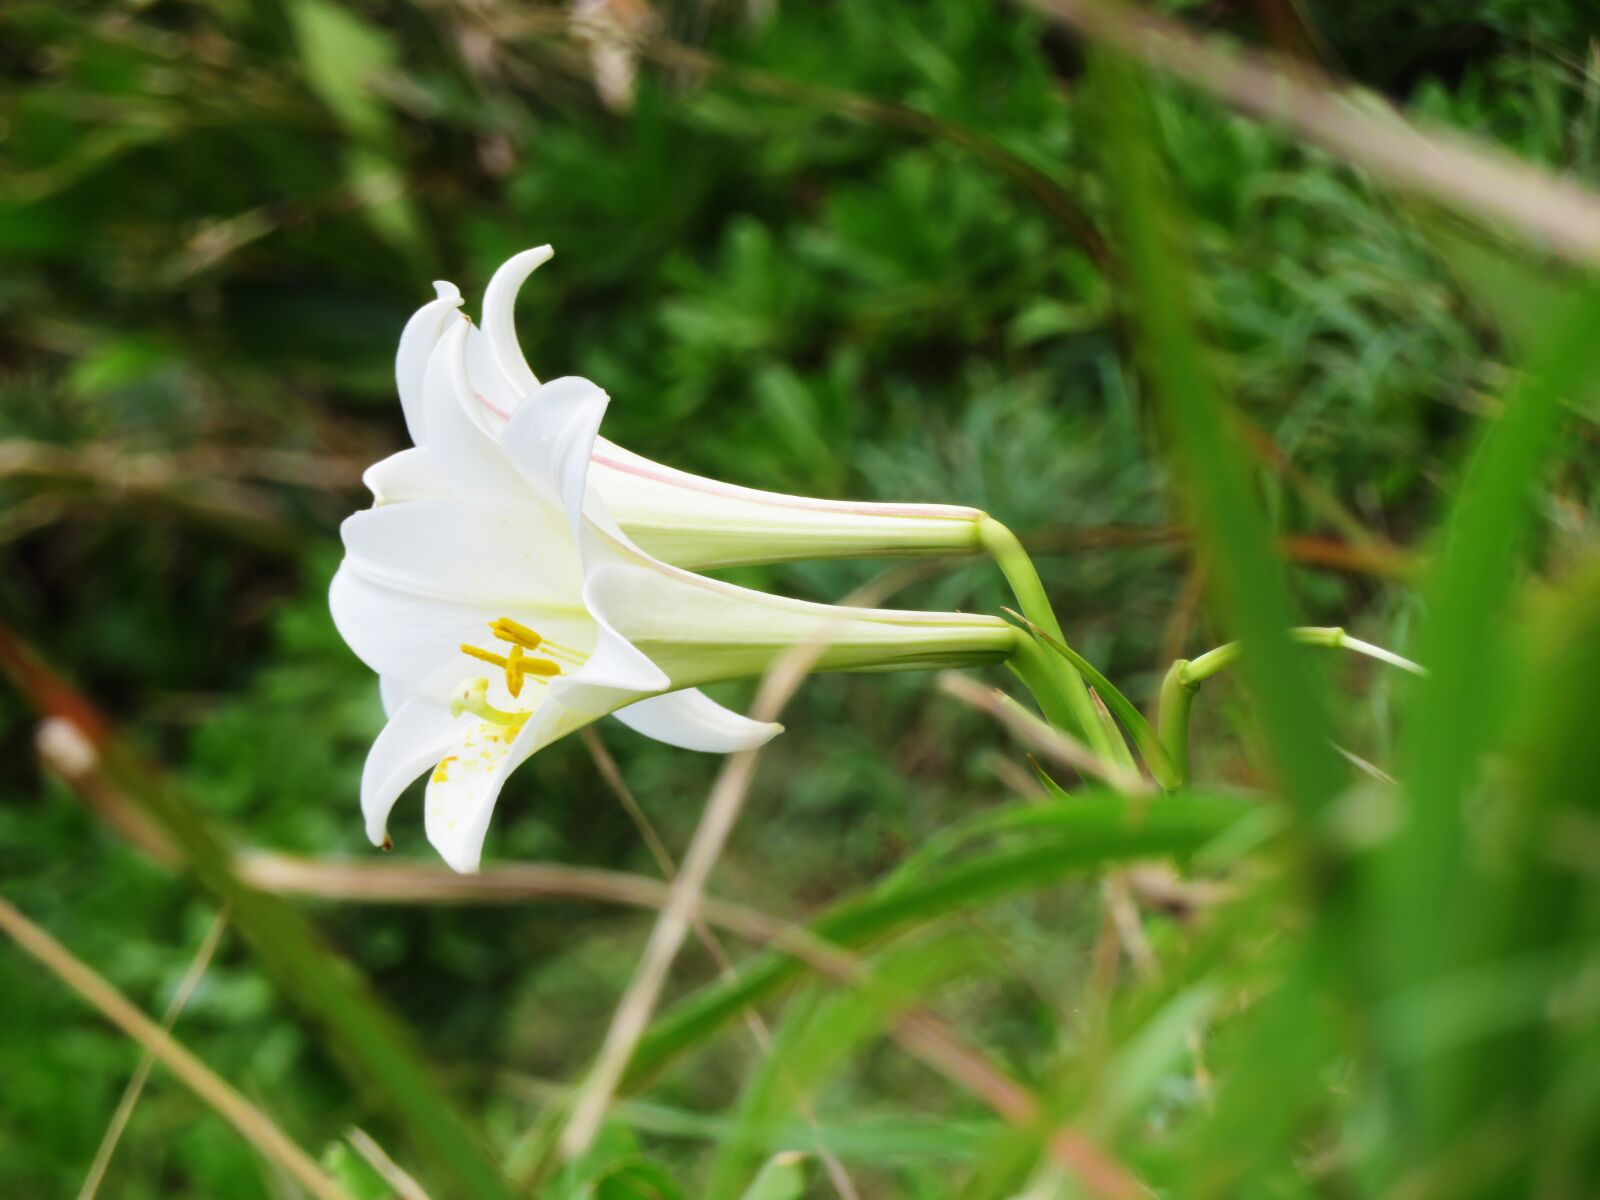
point(859, 250)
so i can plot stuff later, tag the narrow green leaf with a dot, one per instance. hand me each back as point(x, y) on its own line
point(1460, 707)
point(1090, 834)
point(359, 1031)
point(1161, 300)
point(1150, 748)
point(783, 1178)
point(820, 1031)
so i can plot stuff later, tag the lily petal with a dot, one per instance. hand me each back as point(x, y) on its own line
point(407, 475)
point(499, 315)
point(463, 789)
point(464, 452)
point(417, 342)
point(491, 399)
point(504, 555)
point(550, 440)
point(691, 720)
point(417, 734)
point(421, 579)
point(407, 639)
point(392, 693)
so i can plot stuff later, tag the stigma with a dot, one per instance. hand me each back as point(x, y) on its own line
point(473, 697)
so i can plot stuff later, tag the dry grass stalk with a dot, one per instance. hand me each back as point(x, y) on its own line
point(1030, 730)
point(253, 1125)
point(1355, 125)
point(141, 1074)
point(759, 1033)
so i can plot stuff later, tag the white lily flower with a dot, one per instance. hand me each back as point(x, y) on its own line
point(684, 519)
point(503, 608)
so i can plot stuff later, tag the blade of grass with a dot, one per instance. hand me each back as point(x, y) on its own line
point(1212, 466)
point(375, 1049)
point(198, 966)
point(1264, 1098)
point(861, 1136)
point(1460, 705)
point(762, 1036)
point(1469, 951)
point(1092, 833)
point(1358, 126)
point(818, 1033)
point(253, 1125)
point(722, 810)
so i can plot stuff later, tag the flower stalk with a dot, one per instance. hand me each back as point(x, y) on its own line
point(1057, 686)
point(1184, 677)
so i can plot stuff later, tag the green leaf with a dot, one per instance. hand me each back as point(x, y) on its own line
point(342, 54)
point(1162, 300)
point(1089, 834)
point(1460, 706)
point(783, 1178)
point(820, 1031)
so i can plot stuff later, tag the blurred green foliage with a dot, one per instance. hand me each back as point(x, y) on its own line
point(860, 250)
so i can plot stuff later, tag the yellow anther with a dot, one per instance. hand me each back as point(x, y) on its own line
point(516, 633)
point(487, 656)
point(514, 671)
point(517, 666)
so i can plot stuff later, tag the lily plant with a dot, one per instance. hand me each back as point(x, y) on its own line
point(519, 577)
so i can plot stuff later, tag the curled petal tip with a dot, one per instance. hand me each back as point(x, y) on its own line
point(443, 289)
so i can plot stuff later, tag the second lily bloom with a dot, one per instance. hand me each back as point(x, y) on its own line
point(684, 519)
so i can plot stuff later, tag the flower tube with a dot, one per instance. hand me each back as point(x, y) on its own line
point(684, 519)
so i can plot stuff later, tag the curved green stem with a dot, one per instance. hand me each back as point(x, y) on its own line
point(1172, 718)
point(1185, 676)
point(1059, 689)
point(1150, 746)
point(1058, 703)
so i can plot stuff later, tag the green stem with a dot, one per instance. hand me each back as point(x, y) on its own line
point(1056, 686)
point(1172, 718)
point(1185, 676)
point(1038, 674)
point(1121, 708)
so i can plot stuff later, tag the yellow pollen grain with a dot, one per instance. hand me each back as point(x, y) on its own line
point(441, 773)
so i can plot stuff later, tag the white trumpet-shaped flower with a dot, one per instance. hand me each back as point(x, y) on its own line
point(503, 608)
point(681, 518)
